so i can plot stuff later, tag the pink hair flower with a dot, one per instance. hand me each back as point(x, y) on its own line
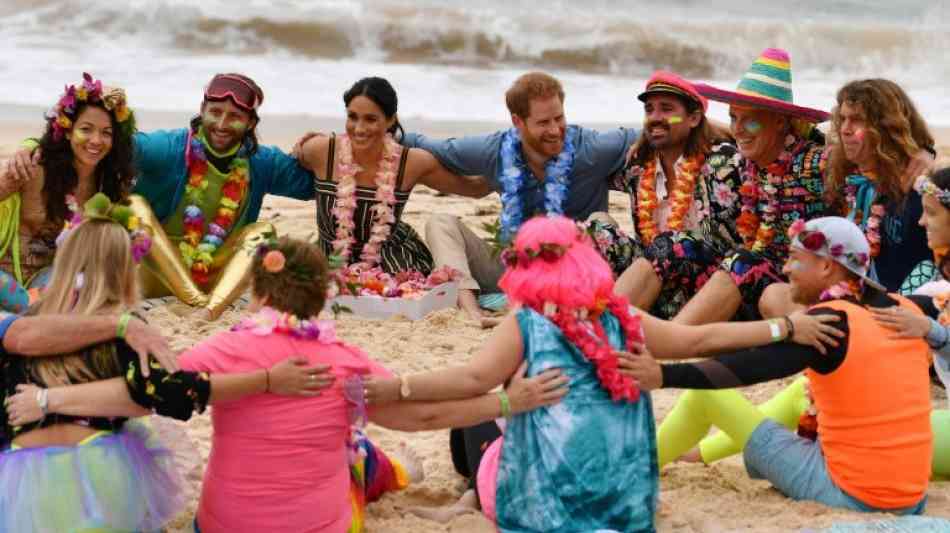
point(274, 261)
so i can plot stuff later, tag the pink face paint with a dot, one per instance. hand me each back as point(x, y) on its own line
point(752, 126)
point(674, 120)
point(859, 135)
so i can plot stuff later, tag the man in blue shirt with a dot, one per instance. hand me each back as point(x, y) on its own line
point(540, 166)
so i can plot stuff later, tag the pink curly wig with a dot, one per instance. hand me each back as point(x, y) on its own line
point(579, 279)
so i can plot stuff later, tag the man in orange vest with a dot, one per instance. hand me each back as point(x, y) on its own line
point(872, 390)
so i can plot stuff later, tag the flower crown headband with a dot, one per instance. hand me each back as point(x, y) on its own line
point(924, 185)
point(90, 91)
point(816, 242)
point(549, 252)
point(99, 207)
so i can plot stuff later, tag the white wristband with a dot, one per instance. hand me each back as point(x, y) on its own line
point(776, 330)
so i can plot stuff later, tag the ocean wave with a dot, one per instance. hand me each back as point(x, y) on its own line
point(606, 38)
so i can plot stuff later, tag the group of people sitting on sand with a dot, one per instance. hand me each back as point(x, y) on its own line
point(765, 246)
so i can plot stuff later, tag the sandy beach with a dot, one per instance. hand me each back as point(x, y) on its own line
point(697, 498)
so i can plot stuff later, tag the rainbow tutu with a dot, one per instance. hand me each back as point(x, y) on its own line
point(126, 481)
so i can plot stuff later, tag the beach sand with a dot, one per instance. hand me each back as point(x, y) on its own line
point(697, 498)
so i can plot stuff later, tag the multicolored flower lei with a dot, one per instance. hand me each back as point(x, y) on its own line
point(353, 280)
point(202, 239)
point(872, 227)
point(268, 321)
point(687, 172)
point(514, 174)
point(757, 234)
point(585, 331)
point(345, 206)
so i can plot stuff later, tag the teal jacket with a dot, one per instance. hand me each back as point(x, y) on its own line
point(162, 174)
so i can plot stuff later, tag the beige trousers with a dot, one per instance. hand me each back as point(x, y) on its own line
point(453, 244)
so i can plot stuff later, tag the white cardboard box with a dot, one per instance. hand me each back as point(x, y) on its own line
point(438, 297)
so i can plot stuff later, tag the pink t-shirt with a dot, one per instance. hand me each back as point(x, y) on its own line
point(277, 463)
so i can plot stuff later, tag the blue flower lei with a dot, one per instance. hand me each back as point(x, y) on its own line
point(557, 173)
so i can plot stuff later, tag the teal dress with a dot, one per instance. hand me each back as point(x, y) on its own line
point(585, 464)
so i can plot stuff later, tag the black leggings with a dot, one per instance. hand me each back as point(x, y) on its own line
point(468, 445)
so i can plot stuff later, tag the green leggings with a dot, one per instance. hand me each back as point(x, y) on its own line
point(696, 411)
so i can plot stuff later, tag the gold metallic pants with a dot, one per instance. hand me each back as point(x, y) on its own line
point(163, 271)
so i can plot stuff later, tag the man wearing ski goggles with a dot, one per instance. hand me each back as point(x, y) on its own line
point(200, 191)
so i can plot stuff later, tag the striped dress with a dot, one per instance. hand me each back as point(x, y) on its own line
point(404, 250)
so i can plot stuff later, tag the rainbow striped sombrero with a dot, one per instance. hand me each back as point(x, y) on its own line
point(767, 85)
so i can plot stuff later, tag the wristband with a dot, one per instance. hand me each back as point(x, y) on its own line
point(790, 326)
point(505, 403)
point(775, 330)
point(123, 326)
point(42, 399)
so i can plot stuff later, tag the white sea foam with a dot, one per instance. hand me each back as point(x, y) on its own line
point(453, 60)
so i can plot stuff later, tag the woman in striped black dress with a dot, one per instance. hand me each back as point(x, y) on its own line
point(364, 179)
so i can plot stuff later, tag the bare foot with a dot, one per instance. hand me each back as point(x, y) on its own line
point(409, 460)
point(489, 322)
point(692, 456)
point(468, 503)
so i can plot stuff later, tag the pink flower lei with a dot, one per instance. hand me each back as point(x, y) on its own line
point(758, 234)
point(345, 207)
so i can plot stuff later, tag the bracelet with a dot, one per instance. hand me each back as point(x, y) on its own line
point(42, 398)
point(505, 403)
point(775, 330)
point(123, 326)
point(790, 326)
point(267, 377)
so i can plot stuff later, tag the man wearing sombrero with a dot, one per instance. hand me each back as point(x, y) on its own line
point(683, 180)
point(783, 175)
point(199, 189)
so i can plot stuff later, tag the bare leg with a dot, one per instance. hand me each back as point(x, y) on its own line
point(468, 503)
point(639, 284)
point(717, 301)
point(777, 301)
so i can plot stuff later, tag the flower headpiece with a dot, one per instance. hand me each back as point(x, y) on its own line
point(90, 91)
point(99, 207)
point(275, 262)
point(549, 252)
point(925, 186)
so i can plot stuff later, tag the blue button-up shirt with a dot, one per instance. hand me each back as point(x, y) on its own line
point(598, 155)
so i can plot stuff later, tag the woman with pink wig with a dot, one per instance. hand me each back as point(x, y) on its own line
point(589, 462)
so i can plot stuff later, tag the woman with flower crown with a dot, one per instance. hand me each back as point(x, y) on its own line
point(87, 148)
point(365, 178)
point(256, 479)
point(589, 462)
point(78, 473)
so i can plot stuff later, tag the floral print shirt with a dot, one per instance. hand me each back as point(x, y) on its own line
point(716, 196)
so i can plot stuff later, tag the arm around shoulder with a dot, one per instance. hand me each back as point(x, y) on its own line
point(434, 175)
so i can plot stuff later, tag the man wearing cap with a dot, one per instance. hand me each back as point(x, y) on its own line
point(683, 180)
point(875, 443)
point(539, 166)
point(200, 190)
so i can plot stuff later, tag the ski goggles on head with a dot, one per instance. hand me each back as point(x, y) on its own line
point(238, 90)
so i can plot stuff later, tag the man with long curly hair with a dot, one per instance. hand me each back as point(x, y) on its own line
point(878, 132)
